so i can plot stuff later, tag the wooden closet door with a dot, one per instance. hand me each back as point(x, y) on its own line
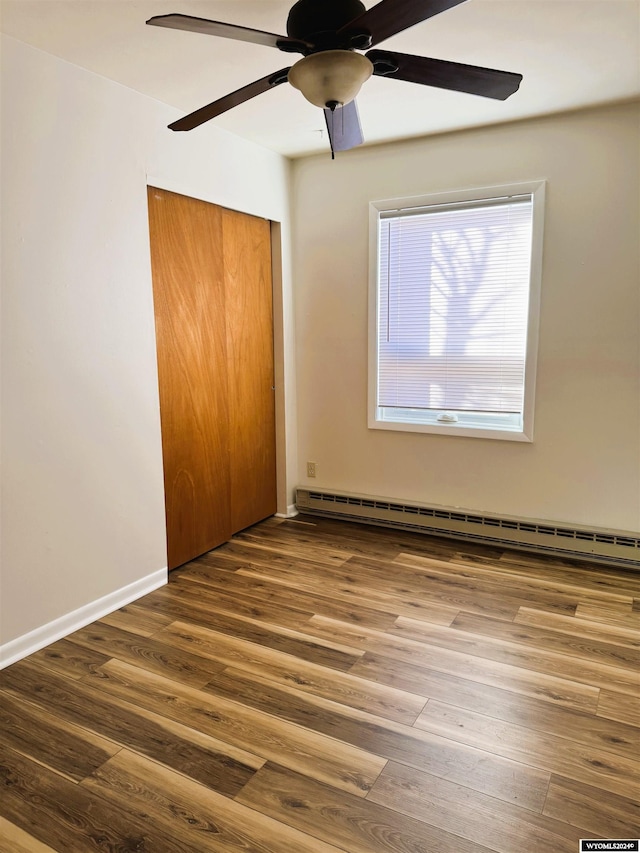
point(191, 336)
point(249, 297)
point(214, 332)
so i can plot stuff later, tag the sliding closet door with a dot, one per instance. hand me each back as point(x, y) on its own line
point(214, 330)
point(246, 244)
point(188, 290)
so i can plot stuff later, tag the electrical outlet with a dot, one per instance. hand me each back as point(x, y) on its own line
point(311, 469)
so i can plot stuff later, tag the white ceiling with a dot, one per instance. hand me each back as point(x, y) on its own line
point(572, 53)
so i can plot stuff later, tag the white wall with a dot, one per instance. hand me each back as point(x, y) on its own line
point(82, 502)
point(584, 463)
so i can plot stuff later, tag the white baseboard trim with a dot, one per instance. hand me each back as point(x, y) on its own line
point(292, 511)
point(37, 639)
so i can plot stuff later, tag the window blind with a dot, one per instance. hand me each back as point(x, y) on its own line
point(453, 295)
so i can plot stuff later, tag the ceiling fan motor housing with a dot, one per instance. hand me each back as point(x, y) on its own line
point(309, 19)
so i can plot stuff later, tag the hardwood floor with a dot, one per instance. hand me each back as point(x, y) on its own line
point(315, 686)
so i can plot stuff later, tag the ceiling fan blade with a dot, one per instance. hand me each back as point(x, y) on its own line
point(392, 16)
point(220, 106)
point(343, 127)
point(229, 31)
point(441, 74)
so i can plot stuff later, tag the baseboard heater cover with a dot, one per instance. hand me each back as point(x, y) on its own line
point(621, 548)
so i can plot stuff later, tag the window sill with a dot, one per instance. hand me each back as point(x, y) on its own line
point(467, 426)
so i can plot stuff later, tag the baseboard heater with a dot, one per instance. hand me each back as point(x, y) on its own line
point(600, 545)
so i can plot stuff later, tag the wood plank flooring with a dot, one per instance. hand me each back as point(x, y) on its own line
point(315, 686)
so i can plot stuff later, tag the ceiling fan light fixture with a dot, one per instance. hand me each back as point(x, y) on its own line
point(331, 76)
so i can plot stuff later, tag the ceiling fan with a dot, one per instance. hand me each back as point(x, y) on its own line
point(329, 34)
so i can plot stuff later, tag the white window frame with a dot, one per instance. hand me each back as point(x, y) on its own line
point(504, 427)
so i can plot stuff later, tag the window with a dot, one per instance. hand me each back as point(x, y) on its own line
point(454, 312)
